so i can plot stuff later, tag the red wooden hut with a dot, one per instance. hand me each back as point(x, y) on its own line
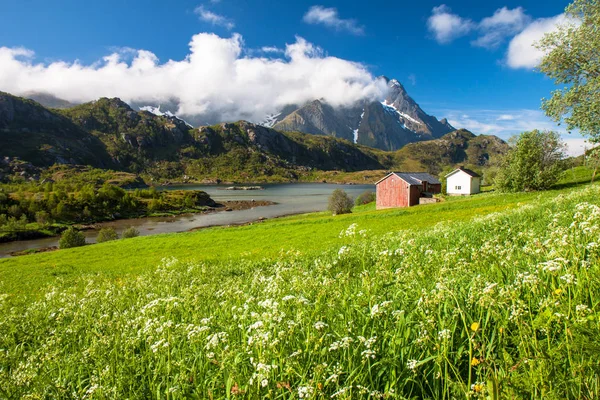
point(404, 189)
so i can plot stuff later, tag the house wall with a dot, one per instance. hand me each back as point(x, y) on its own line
point(415, 193)
point(434, 188)
point(392, 192)
point(475, 185)
point(459, 179)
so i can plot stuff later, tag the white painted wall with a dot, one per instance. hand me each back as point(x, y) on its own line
point(462, 183)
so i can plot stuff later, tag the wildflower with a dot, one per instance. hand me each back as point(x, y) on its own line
point(343, 250)
point(320, 325)
point(475, 361)
point(582, 308)
point(569, 278)
point(444, 334)
point(305, 391)
point(368, 354)
point(558, 291)
point(478, 387)
point(412, 364)
point(264, 383)
point(475, 326)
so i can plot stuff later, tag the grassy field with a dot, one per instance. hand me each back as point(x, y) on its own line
point(497, 298)
point(309, 234)
point(492, 296)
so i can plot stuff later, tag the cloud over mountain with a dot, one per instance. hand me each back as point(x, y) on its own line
point(215, 78)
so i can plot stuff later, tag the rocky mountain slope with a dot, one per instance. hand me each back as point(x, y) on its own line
point(388, 124)
point(108, 133)
point(44, 137)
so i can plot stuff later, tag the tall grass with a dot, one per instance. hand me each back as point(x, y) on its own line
point(503, 306)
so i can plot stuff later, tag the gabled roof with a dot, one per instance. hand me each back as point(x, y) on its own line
point(413, 178)
point(466, 171)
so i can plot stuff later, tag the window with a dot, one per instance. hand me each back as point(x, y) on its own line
point(457, 187)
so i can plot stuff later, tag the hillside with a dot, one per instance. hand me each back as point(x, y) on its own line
point(108, 133)
point(458, 147)
point(319, 296)
point(44, 137)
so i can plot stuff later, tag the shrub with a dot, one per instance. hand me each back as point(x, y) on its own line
point(340, 202)
point(534, 162)
point(43, 218)
point(71, 238)
point(365, 198)
point(130, 232)
point(106, 235)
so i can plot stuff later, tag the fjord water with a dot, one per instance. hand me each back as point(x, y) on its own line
point(291, 198)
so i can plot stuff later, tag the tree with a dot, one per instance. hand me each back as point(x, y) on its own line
point(106, 235)
point(365, 198)
point(130, 232)
point(71, 238)
point(572, 60)
point(340, 202)
point(534, 162)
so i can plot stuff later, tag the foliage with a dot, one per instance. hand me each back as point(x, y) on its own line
point(533, 163)
point(365, 198)
point(31, 208)
point(106, 235)
point(71, 238)
point(483, 308)
point(572, 60)
point(340, 202)
point(130, 232)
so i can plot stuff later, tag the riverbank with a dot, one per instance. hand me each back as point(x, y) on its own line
point(222, 206)
point(283, 200)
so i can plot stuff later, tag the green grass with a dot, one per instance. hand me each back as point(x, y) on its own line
point(501, 300)
point(309, 233)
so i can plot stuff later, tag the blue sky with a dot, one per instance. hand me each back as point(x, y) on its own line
point(450, 55)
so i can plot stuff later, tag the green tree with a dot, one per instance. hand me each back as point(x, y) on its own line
point(43, 218)
point(365, 198)
point(534, 162)
point(571, 60)
point(340, 202)
point(71, 238)
point(130, 232)
point(106, 235)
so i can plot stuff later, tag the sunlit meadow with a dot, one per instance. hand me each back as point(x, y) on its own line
point(502, 306)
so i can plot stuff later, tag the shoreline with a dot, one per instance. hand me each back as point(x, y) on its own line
point(225, 206)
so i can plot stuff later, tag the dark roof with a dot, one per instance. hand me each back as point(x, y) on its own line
point(466, 171)
point(414, 178)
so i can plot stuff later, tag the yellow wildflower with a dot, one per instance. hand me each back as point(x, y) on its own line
point(475, 361)
point(475, 326)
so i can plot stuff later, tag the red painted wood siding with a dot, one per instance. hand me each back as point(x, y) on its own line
point(434, 188)
point(415, 193)
point(392, 192)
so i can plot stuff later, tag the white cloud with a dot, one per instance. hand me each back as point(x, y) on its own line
point(446, 26)
point(505, 117)
point(272, 49)
point(576, 146)
point(330, 18)
point(412, 78)
point(215, 19)
point(504, 23)
point(521, 52)
point(506, 123)
point(213, 79)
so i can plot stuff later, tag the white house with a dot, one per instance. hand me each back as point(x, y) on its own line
point(462, 181)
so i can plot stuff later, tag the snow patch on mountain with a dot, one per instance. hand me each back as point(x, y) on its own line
point(270, 120)
point(393, 110)
point(355, 131)
point(157, 111)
